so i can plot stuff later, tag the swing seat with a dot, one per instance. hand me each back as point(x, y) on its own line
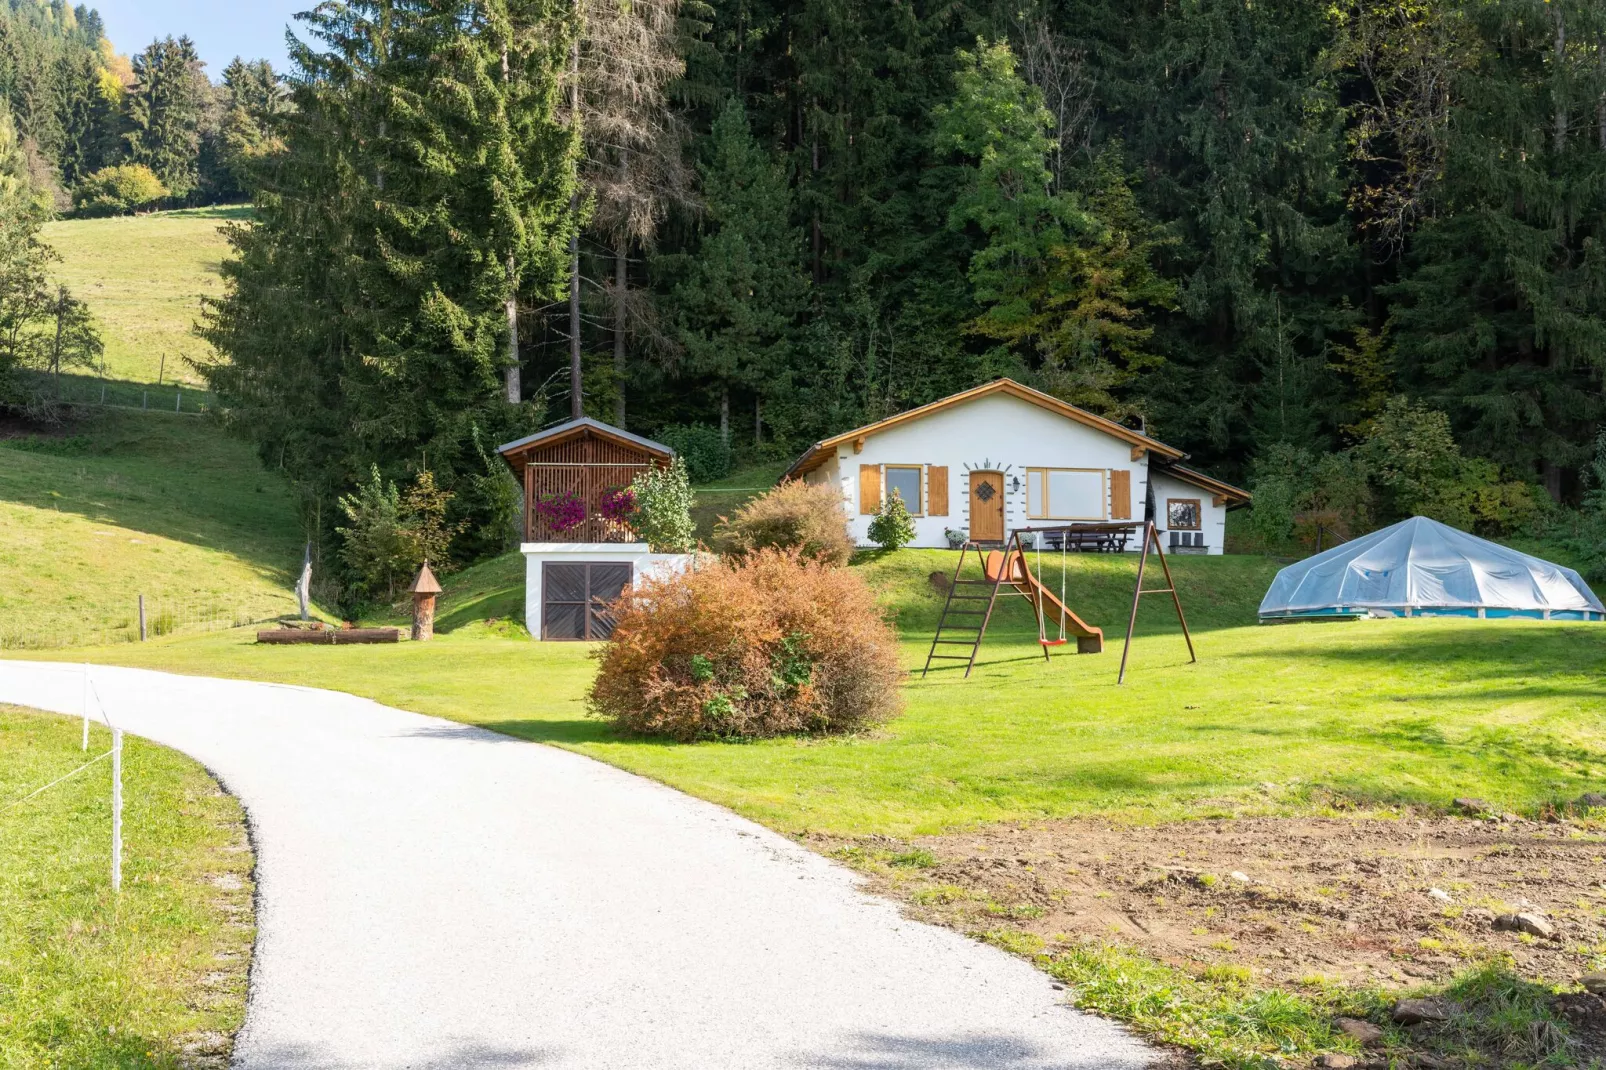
point(1053, 642)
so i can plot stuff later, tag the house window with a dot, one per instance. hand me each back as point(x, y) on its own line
point(1066, 494)
point(904, 481)
point(1182, 514)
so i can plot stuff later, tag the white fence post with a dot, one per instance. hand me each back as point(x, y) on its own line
point(117, 809)
point(83, 705)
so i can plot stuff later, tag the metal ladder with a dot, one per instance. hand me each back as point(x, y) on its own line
point(973, 631)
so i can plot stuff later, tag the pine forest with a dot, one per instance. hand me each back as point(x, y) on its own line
point(1351, 256)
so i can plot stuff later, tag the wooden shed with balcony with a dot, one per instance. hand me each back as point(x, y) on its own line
point(569, 470)
point(579, 548)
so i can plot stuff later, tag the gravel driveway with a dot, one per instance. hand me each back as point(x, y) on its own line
point(435, 897)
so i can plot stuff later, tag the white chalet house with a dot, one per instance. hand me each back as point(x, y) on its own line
point(1004, 456)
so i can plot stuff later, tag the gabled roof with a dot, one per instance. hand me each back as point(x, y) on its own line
point(573, 428)
point(821, 451)
point(1234, 495)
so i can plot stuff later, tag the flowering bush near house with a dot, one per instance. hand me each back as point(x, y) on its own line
point(764, 645)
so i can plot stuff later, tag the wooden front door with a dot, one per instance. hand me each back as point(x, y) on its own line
point(987, 506)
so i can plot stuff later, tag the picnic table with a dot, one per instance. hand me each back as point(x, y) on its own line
point(1089, 538)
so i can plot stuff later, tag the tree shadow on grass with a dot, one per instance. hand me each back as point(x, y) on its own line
point(169, 476)
point(527, 731)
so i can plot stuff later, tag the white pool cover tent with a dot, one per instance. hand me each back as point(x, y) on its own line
point(1420, 567)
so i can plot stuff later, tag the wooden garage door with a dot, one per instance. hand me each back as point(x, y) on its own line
point(575, 597)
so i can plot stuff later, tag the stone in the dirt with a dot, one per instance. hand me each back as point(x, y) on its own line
point(1594, 982)
point(1336, 1061)
point(1241, 878)
point(1428, 1061)
point(1470, 806)
point(1417, 1011)
point(1360, 1030)
point(1532, 924)
point(1592, 800)
point(1441, 895)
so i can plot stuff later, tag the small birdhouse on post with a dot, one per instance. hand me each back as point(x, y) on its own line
point(424, 590)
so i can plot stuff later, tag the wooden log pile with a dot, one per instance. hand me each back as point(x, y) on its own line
point(328, 636)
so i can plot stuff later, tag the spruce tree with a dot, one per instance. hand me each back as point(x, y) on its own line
point(739, 295)
point(165, 111)
point(1501, 314)
point(1063, 274)
point(365, 310)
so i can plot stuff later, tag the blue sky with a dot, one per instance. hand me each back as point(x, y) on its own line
point(221, 29)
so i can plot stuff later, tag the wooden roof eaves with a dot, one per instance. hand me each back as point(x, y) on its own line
point(574, 429)
point(1237, 495)
point(818, 453)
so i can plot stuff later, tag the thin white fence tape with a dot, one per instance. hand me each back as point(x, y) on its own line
point(58, 780)
point(86, 689)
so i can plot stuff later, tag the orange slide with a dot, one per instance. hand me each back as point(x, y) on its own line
point(1089, 640)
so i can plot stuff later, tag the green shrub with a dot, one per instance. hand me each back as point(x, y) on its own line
point(749, 647)
point(663, 509)
point(892, 527)
point(118, 190)
point(1408, 464)
point(705, 452)
point(390, 534)
point(797, 516)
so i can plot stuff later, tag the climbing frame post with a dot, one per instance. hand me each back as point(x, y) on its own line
point(1150, 533)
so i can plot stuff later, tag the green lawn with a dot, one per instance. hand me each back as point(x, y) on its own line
point(1288, 718)
point(136, 503)
point(152, 977)
point(143, 278)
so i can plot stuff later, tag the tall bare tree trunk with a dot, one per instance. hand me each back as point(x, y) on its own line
point(1600, 108)
point(818, 236)
point(510, 374)
point(758, 421)
point(1560, 74)
point(725, 417)
point(621, 283)
point(511, 385)
point(576, 396)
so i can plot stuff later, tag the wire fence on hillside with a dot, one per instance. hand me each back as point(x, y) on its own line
point(121, 394)
point(161, 617)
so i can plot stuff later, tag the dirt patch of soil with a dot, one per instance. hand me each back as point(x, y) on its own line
point(1385, 902)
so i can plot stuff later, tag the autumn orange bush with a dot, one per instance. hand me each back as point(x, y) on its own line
point(805, 517)
point(762, 645)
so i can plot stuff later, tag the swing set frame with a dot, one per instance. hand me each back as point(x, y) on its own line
point(1014, 555)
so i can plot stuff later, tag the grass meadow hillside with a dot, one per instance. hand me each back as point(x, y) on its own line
point(143, 277)
point(128, 503)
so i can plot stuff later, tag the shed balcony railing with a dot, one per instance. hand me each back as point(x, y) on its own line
point(556, 494)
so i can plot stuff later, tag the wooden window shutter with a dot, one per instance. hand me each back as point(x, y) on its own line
point(869, 489)
point(936, 490)
point(1120, 494)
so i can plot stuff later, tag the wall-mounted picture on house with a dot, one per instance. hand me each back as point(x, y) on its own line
point(1182, 514)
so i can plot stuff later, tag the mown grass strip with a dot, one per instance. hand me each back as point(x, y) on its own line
point(152, 978)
